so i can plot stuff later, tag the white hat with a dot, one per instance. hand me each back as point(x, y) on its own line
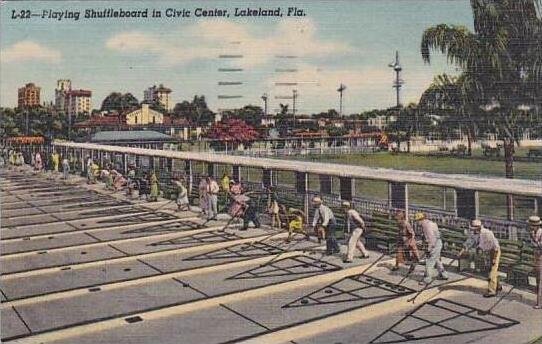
point(346, 204)
point(475, 224)
point(535, 221)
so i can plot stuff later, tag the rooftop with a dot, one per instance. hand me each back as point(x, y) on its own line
point(523, 187)
point(130, 135)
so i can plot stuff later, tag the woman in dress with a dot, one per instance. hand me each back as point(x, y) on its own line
point(154, 187)
point(406, 243)
point(118, 181)
point(182, 194)
point(38, 161)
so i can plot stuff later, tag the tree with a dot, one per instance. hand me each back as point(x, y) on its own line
point(502, 57)
point(119, 102)
point(251, 114)
point(404, 126)
point(196, 111)
point(451, 97)
point(284, 120)
point(336, 131)
point(230, 133)
point(330, 114)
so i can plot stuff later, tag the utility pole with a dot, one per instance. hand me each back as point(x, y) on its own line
point(294, 96)
point(341, 89)
point(264, 98)
point(398, 82)
point(27, 122)
point(69, 125)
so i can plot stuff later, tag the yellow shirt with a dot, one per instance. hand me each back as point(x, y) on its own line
point(225, 181)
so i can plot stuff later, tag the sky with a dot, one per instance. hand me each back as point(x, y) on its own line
point(333, 42)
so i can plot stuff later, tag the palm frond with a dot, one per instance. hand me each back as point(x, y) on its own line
point(456, 42)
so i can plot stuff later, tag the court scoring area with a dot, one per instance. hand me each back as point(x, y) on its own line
point(82, 265)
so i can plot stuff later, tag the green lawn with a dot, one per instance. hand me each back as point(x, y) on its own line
point(480, 167)
point(490, 204)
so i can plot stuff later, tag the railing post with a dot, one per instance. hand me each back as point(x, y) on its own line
point(211, 169)
point(326, 184)
point(467, 203)
point(169, 164)
point(398, 196)
point(302, 187)
point(188, 171)
point(347, 188)
point(151, 162)
point(236, 173)
point(538, 206)
point(83, 162)
point(444, 198)
point(510, 207)
point(267, 177)
point(125, 163)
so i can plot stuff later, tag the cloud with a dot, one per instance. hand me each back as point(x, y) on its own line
point(30, 51)
point(208, 39)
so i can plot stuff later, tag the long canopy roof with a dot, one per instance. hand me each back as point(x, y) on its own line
point(523, 187)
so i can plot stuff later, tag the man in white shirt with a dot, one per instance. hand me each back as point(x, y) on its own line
point(212, 191)
point(355, 227)
point(535, 231)
point(325, 217)
point(431, 235)
point(485, 240)
point(203, 190)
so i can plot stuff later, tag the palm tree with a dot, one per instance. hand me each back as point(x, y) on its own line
point(452, 97)
point(502, 57)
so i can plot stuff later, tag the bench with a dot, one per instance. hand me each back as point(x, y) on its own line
point(534, 153)
point(382, 231)
point(519, 273)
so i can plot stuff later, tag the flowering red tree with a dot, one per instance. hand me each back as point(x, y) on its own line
point(230, 133)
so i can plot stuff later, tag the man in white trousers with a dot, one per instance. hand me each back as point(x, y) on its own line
point(355, 227)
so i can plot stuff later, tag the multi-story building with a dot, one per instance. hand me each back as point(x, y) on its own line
point(29, 96)
point(78, 102)
point(61, 91)
point(160, 95)
point(381, 122)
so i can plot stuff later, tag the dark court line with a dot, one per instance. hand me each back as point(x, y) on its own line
point(22, 320)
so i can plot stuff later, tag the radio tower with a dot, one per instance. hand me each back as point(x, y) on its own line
point(398, 82)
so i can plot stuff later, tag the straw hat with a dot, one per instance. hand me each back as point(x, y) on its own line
point(346, 204)
point(475, 224)
point(534, 221)
point(419, 216)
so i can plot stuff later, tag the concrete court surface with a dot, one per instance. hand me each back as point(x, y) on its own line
point(80, 264)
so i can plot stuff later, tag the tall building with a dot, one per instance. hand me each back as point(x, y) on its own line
point(160, 95)
point(29, 96)
point(61, 90)
point(78, 101)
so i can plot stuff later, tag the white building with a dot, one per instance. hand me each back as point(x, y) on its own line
point(78, 102)
point(159, 95)
point(62, 88)
point(381, 122)
point(144, 116)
